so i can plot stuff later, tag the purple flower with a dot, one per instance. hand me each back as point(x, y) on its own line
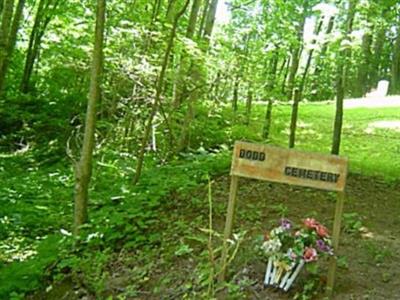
point(323, 247)
point(286, 224)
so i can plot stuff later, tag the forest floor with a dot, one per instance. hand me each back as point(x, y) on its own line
point(164, 221)
point(369, 255)
point(369, 250)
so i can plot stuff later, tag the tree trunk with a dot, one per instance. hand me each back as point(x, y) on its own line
point(181, 87)
point(249, 102)
point(285, 75)
point(235, 97)
point(293, 123)
point(42, 19)
point(184, 140)
point(340, 83)
point(296, 54)
point(83, 168)
point(171, 10)
point(269, 94)
point(319, 63)
point(206, 5)
point(268, 119)
point(159, 90)
point(194, 14)
point(363, 72)
point(32, 48)
point(12, 39)
point(395, 72)
point(209, 26)
point(5, 29)
point(380, 38)
point(309, 59)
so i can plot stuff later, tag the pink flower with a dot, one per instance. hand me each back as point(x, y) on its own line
point(311, 223)
point(310, 254)
point(322, 231)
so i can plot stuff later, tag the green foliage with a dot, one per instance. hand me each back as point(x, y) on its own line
point(352, 222)
point(21, 277)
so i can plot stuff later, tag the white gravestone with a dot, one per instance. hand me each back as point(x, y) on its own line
point(381, 90)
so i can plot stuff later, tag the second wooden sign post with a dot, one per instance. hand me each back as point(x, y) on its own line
point(263, 162)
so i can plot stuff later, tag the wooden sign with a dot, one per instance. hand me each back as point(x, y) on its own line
point(263, 162)
point(275, 164)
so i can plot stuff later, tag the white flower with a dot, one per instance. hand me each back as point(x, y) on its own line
point(65, 232)
point(271, 246)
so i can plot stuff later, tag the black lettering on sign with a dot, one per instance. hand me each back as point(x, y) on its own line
point(262, 156)
point(252, 155)
point(311, 174)
point(249, 154)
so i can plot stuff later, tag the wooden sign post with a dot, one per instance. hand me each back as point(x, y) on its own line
point(263, 162)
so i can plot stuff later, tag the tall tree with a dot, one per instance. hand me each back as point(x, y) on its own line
point(320, 63)
point(45, 13)
point(159, 90)
point(83, 168)
point(181, 86)
point(296, 53)
point(395, 70)
point(342, 62)
point(210, 21)
point(5, 29)
point(11, 41)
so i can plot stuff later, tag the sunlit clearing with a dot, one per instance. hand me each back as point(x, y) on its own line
point(392, 125)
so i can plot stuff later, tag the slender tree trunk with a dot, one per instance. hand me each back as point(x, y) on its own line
point(184, 141)
point(206, 5)
point(340, 84)
point(154, 15)
point(5, 29)
point(282, 67)
point(194, 14)
point(194, 76)
point(235, 97)
point(270, 87)
point(309, 59)
point(159, 90)
point(43, 17)
point(181, 87)
point(296, 54)
point(4, 63)
point(209, 26)
point(319, 63)
point(32, 48)
point(268, 119)
point(171, 10)
point(293, 123)
point(380, 38)
point(363, 72)
point(83, 169)
point(285, 75)
point(395, 72)
point(249, 102)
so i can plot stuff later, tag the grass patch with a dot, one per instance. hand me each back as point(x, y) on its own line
point(371, 153)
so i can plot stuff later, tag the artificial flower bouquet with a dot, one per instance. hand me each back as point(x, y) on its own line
point(288, 248)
